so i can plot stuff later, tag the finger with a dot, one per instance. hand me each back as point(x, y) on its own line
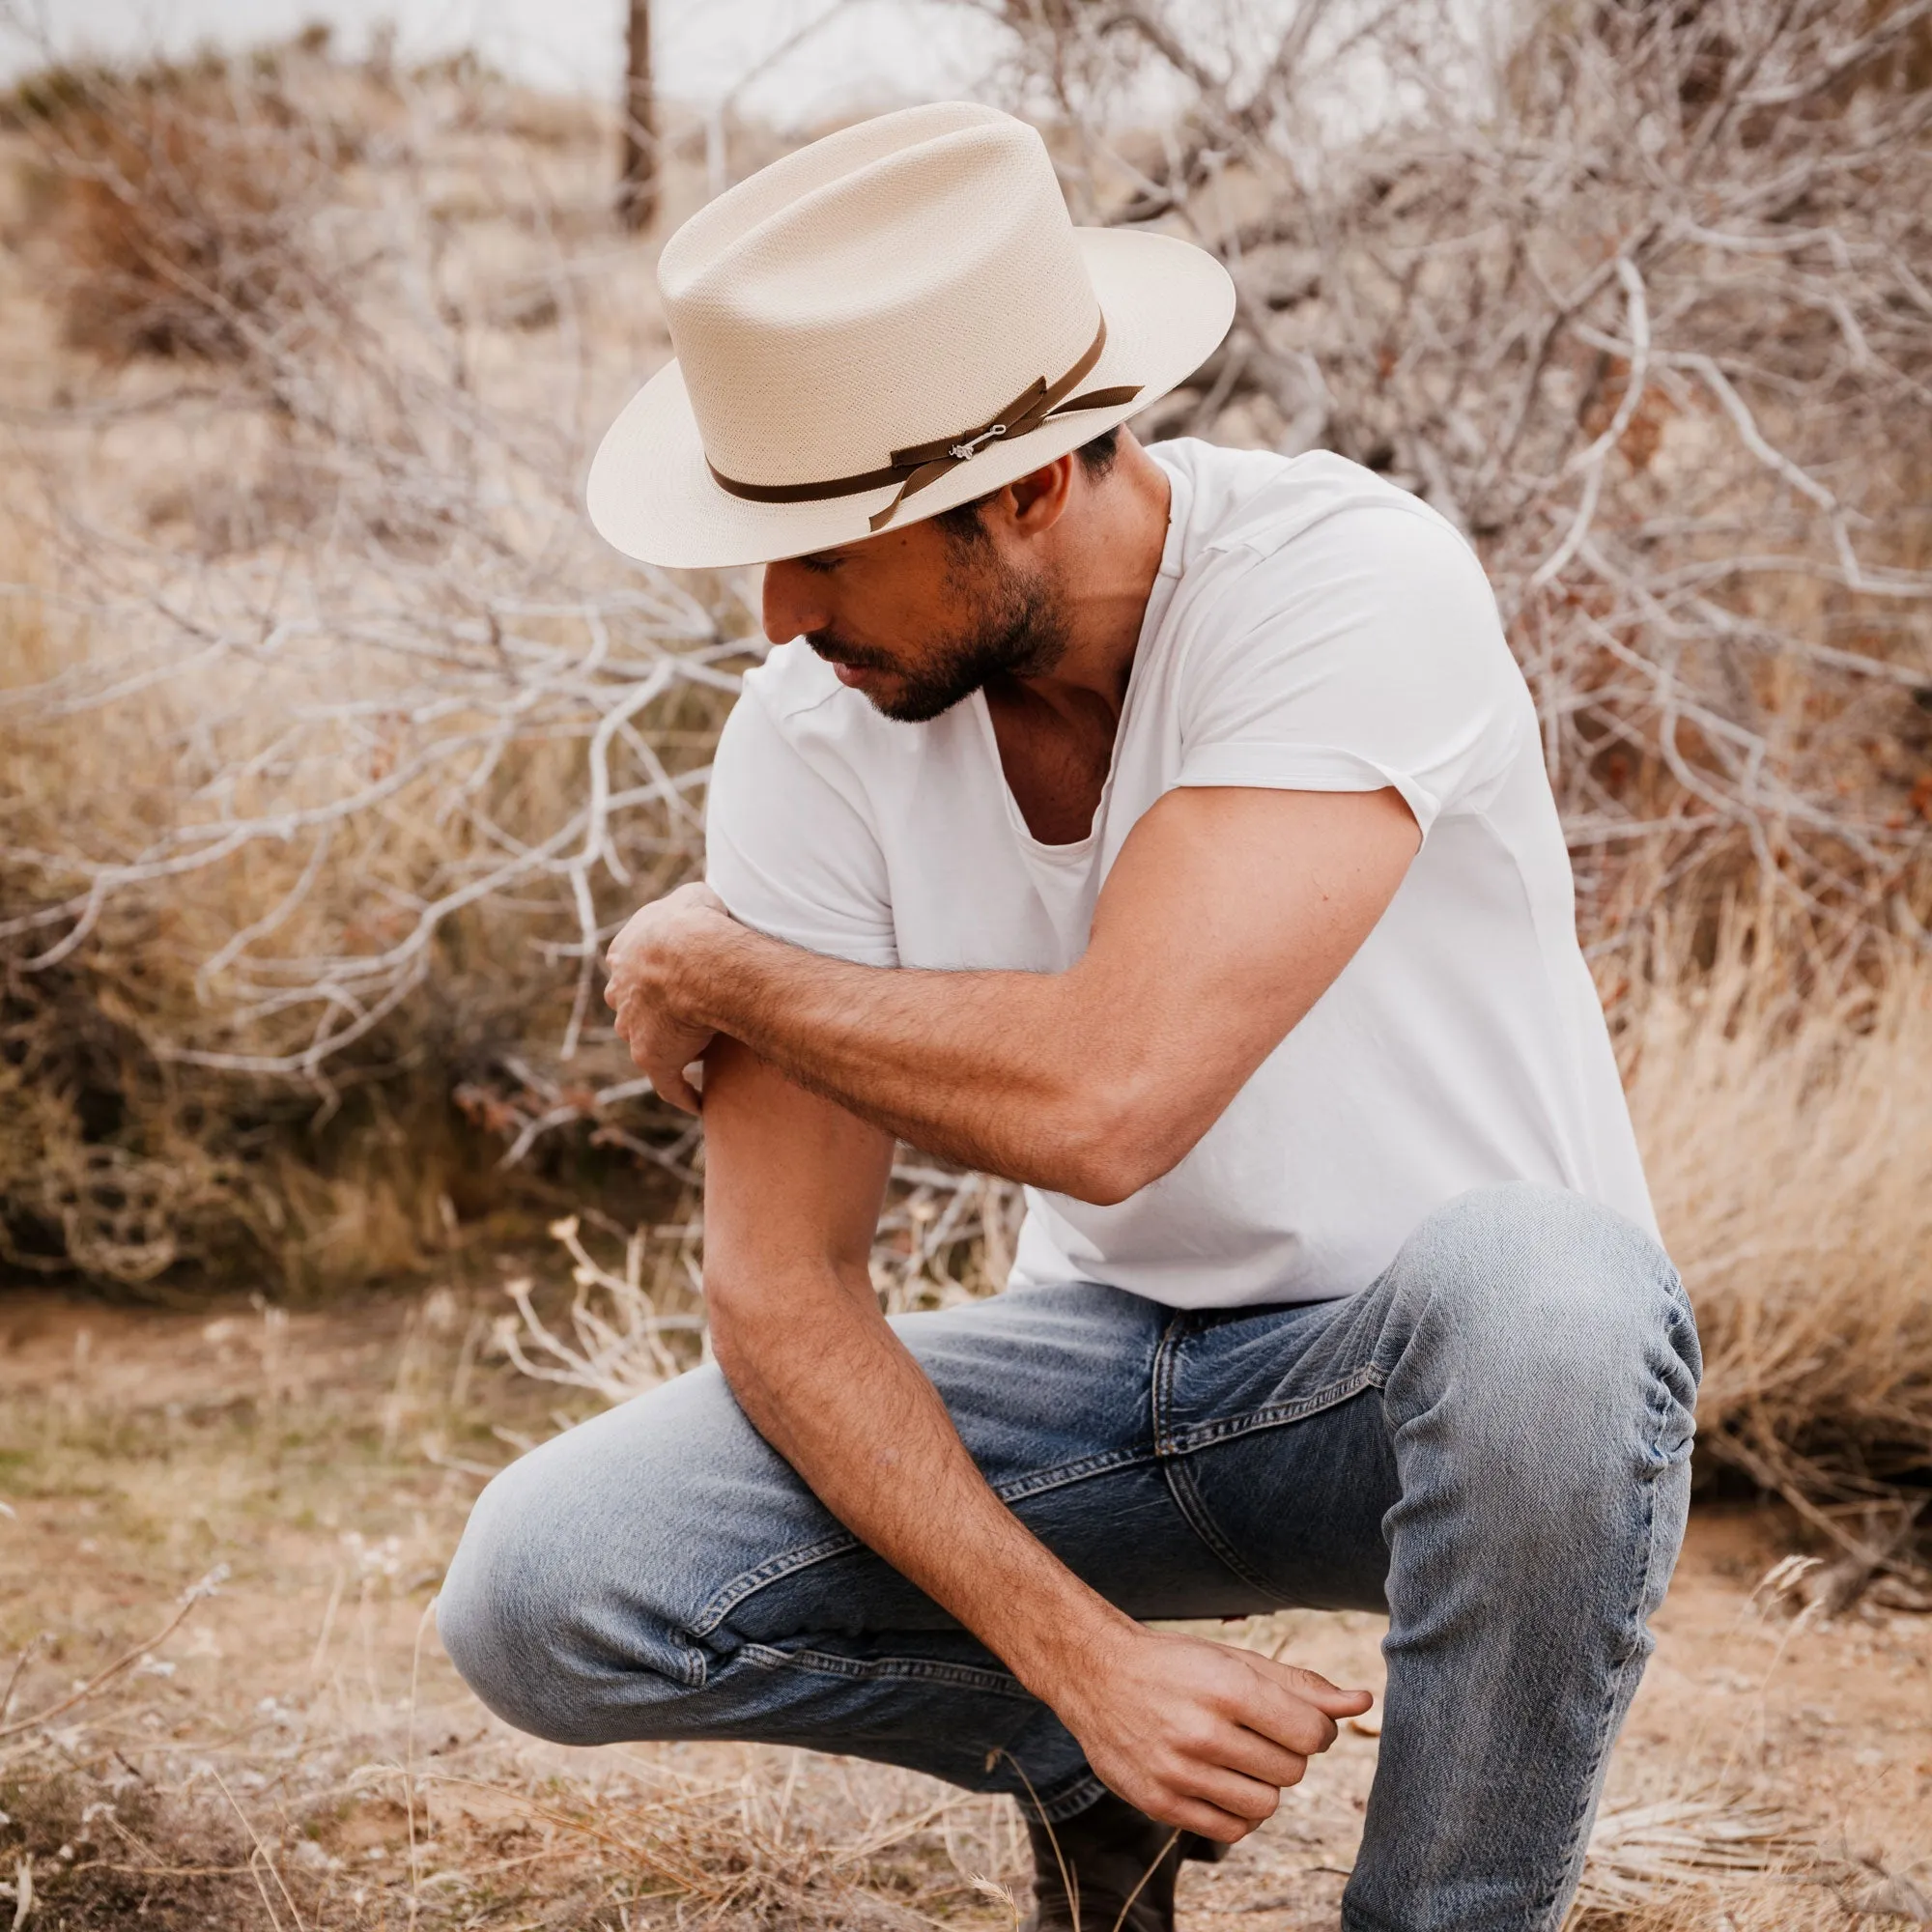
point(626, 1029)
point(622, 1002)
point(1341, 1703)
point(1239, 1797)
point(1316, 1689)
point(1183, 1812)
point(1255, 1755)
point(1300, 1726)
point(1207, 1821)
point(1283, 1718)
point(634, 1028)
point(1242, 1798)
point(670, 1085)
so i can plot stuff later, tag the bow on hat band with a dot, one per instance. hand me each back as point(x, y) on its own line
point(923, 463)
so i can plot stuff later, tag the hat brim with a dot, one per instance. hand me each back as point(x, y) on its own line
point(651, 495)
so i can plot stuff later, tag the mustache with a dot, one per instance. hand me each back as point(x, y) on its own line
point(835, 649)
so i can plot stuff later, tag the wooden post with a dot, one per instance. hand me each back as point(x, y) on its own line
point(637, 175)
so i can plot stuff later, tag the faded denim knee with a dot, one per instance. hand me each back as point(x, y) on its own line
point(1547, 1345)
point(568, 1604)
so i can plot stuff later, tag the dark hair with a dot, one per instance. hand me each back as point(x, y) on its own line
point(1097, 458)
point(963, 522)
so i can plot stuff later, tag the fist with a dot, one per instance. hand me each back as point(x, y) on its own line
point(654, 966)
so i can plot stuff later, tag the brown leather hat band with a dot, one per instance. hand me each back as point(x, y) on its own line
point(923, 462)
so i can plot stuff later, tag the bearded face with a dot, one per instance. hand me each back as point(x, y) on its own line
point(1010, 623)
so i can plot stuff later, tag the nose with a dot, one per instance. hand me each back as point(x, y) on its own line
point(795, 602)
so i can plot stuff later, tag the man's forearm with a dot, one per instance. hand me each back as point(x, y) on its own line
point(1205, 952)
point(1196, 1734)
point(835, 1393)
point(993, 1069)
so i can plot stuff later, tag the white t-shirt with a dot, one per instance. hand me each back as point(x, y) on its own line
point(1313, 628)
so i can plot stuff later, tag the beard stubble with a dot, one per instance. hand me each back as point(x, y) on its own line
point(1018, 628)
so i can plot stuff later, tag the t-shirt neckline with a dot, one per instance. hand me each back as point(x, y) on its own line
point(1159, 593)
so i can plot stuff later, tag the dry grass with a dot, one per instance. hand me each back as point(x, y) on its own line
point(299, 1753)
point(301, 1729)
point(1785, 1106)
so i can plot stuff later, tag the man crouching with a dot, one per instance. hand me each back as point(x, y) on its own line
point(1165, 829)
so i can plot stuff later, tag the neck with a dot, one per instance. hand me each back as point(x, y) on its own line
point(1106, 557)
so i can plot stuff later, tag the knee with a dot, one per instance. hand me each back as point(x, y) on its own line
point(1528, 1271)
point(503, 1615)
point(1550, 1324)
point(547, 1631)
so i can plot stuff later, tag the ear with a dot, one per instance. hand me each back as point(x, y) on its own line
point(1035, 502)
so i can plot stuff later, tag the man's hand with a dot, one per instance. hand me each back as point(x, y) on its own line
point(651, 963)
point(1197, 1734)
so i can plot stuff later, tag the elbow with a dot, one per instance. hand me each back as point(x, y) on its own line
point(1104, 1181)
point(1114, 1139)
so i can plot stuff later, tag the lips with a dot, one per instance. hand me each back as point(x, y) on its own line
point(852, 674)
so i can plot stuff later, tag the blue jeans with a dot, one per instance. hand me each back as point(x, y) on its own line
point(1491, 1443)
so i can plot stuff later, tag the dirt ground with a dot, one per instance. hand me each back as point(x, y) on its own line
point(298, 1754)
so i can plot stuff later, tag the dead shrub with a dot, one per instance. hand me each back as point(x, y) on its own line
point(180, 201)
point(296, 852)
point(1639, 302)
point(318, 831)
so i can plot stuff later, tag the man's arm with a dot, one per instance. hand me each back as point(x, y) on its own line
point(1197, 1734)
point(1226, 917)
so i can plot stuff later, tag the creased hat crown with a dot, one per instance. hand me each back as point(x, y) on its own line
point(883, 287)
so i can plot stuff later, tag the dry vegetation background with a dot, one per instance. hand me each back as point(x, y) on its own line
point(332, 746)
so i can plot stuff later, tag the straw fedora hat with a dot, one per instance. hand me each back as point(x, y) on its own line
point(889, 321)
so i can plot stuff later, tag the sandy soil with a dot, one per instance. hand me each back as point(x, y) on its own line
point(302, 1753)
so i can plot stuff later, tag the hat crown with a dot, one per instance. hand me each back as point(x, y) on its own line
point(893, 284)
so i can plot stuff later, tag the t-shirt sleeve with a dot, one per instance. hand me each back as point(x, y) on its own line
point(1367, 652)
point(788, 850)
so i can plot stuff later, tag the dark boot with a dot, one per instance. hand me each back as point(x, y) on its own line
point(1086, 1869)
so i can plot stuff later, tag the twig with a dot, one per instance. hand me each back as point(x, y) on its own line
point(206, 1588)
point(266, 1856)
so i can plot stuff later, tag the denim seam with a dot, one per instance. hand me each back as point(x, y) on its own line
point(1081, 1791)
point(1189, 1501)
point(774, 1569)
point(693, 1669)
point(1547, 1914)
point(1207, 1435)
point(1019, 1488)
point(1161, 1382)
point(1172, 1444)
point(931, 1671)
